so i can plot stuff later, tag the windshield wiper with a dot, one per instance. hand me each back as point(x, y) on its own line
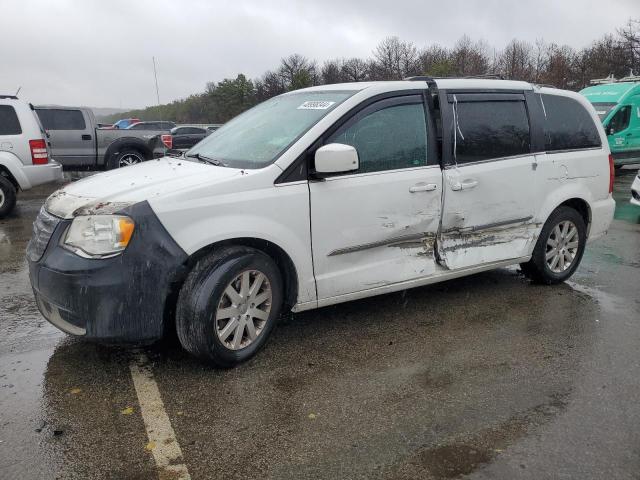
point(211, 161)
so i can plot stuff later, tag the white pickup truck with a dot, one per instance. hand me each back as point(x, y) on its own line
point(24, 154)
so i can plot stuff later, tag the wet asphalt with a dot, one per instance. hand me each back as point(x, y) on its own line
point(483, 377)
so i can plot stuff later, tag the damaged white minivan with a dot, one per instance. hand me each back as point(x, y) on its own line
point(320, 196)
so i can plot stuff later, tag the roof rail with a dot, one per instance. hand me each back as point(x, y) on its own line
point(602, 81)
point(13, 97)
point(420, 78)
point(494, 76)
point(546, 85)
point(630, 78)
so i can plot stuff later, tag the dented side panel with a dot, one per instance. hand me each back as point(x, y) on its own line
point(370, 230)
point(489, 212)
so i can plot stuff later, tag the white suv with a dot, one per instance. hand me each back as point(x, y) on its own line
point(320, 196)
point(24, 153)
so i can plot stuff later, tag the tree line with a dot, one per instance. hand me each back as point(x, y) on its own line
point(540, 62)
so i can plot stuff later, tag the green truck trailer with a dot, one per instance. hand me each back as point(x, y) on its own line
point(617, 103)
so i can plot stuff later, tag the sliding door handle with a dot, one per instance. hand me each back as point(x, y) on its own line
point(423, 187)
point(464, 185)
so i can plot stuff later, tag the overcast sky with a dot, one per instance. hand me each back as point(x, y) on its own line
point(98, 52)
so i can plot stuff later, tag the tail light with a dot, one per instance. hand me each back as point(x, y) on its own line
point(39, 154)
point(612, 173)
point(167, 140)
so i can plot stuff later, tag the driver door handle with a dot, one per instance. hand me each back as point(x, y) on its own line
point(464, 185)
point(423, 187)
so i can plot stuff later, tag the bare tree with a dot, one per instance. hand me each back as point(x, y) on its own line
point(297, 71)
point(355, 70)
point(395, 59)
point(559, 71)
point(469, 58)
point(630, 42)
point(435, 60)
point(516, 62)
point(331, 72)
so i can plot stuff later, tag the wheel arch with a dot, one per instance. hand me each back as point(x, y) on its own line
point(6, 173)
point(582, 207)
point(574, 195)
point(128, 143)
point(278, 254)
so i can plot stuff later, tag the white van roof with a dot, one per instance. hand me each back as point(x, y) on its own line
point(444, 83)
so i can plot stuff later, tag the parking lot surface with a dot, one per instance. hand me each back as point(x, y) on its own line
point(487, 376)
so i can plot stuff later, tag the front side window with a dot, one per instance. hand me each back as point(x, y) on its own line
point(486, 130)
point(9, 123)
point(568, 125)
point(58, 119)
point(260, 135)
point(620, 120)
point(387, 139)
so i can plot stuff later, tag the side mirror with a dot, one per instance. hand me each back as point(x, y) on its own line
point(336, 158)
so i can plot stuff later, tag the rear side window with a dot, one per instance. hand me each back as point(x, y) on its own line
point(9, 123)
point(491, 129)
point(568, 125)
point(58, 119)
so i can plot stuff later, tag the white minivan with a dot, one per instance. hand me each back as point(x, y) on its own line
point(320, 196)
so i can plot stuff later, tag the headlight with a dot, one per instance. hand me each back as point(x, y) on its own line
point(98, 236)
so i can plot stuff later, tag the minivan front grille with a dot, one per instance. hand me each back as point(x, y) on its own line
point(43, 228)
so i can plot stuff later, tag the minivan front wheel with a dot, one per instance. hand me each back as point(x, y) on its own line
point(229, 305)
point(559, 248)
point(7, 196)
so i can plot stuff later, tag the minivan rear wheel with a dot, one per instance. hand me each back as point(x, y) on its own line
point(229, 305)
point(7, 196)
point(559, 248)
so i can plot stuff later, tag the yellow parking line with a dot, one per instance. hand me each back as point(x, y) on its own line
point(162, 439)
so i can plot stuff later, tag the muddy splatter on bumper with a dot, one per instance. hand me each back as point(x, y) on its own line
point(118, 299)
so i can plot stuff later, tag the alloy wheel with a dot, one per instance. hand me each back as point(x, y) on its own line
point(562, 246)
point(243, 309)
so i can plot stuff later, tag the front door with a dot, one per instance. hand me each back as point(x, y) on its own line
point(376, 226)
point(71, 135)
point(619, 130)
point(489, 196)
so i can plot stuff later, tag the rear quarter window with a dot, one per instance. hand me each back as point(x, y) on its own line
point(568, 125)
point(59, 119)
point(9, 123)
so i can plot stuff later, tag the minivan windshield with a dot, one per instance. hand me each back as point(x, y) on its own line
point(257, 137)
point(603, 109)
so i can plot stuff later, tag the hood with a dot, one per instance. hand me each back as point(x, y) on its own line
point(111, 191)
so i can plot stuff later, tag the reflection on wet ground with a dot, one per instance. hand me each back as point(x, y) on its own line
point(487, 376)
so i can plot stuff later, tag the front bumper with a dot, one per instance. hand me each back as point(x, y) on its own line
point(119, 299)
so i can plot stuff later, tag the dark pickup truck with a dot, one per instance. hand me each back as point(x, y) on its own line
point(77, 142)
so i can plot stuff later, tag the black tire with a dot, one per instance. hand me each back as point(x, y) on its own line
point(7, 196)
point(537, 268)
point(118, 160)
point(201, 294)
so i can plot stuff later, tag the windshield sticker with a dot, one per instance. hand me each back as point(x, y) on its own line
point(315, 105)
